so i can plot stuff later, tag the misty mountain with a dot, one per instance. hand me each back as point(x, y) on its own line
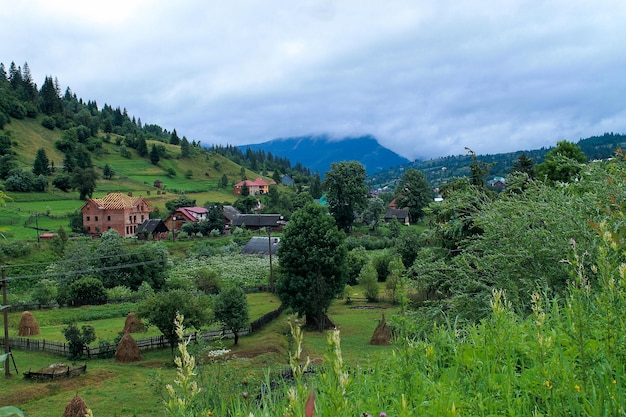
point(317, 153)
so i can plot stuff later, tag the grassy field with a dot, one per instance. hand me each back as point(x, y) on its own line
point(113, 389)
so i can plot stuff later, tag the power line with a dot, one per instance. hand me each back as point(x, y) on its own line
point(84, 271)
point(66, 261)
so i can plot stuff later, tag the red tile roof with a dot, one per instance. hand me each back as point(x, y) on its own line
point(258, 182)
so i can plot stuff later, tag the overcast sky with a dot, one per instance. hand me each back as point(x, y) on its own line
point(427, 78)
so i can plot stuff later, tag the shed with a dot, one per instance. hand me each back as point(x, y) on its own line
point(402, 215)
point(260, 245)
point(259, 221)
point(152, 227)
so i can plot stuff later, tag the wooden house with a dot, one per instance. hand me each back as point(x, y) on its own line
point(183, 215)
point(256, 187)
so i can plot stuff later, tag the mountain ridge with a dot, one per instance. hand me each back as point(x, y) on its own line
point(318, 152)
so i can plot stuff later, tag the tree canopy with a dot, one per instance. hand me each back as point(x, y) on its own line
point(160, 310)
point(346, 192)
point(312, 256)
point(414, 192)
point(231, 308)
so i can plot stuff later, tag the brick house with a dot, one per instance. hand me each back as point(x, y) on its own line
point(255, 187)
point(116, 211)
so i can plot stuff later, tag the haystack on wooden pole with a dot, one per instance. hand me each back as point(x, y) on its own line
point(127, 350)
point(28, 325)
point(76, 408)
point(382, 334)
point(133, 324)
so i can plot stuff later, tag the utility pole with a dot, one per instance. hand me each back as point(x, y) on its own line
point(269, 242)
point(5, 313)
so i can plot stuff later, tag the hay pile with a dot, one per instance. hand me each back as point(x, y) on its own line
point(127, 350)
point(382, 334)
point(28, 325)
point(133, 324)
point(76, 408)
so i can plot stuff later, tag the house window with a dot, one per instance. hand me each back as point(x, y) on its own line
point(134, 219)
point(108, 218)
point(142, 218)
point(130, 219)
point(95, 218)
point(88, 218)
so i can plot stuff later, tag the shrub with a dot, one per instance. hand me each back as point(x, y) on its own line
point(87, 291)
point(78, 339)
point(369, 281)
point(144, 291)
point(381, 264)
point(357, 258)
point(121, 292)
point(45, 291)
point(208, 281)
point(48, 123)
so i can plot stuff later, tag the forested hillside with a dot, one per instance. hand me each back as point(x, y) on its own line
point(441, 170)
point(51, 139)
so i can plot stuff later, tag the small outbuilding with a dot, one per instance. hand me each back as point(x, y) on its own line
point(261, 245)
point(151, 227)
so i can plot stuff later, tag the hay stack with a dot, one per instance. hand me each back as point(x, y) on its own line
point(127, 350)
point(76, 408)
point(28, 325)
point(382, 334)
point(133, 324)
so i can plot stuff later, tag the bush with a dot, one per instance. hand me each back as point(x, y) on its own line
point(208, 281)
point(121, 292)
point(87, 291)
point(369, 281)
point(144, 291)
point(381, 264)
point(78, 339)
point(48, 123)
point(45, 291)
point(356, 260)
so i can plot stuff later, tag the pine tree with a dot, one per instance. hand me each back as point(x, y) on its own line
point(41, 166)
point(174, 139)
point(154, 155)
point(185, 150)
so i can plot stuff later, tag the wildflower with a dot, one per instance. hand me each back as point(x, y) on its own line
point(382, 414)
point(548, 384)
point(577, 388)
point(614, 382)
point(366, 415)
point(245, 394)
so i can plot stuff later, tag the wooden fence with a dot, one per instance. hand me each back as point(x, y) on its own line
point(154, 342)
point(63, 373)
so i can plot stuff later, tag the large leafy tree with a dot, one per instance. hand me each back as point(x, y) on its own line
point(231, 308)
point(182, 201)
point(84, 180)
point(312, 256)
point(346, 192)
point(160, 310)
point(374, 212)
point(562, 163)
point(414, 192)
